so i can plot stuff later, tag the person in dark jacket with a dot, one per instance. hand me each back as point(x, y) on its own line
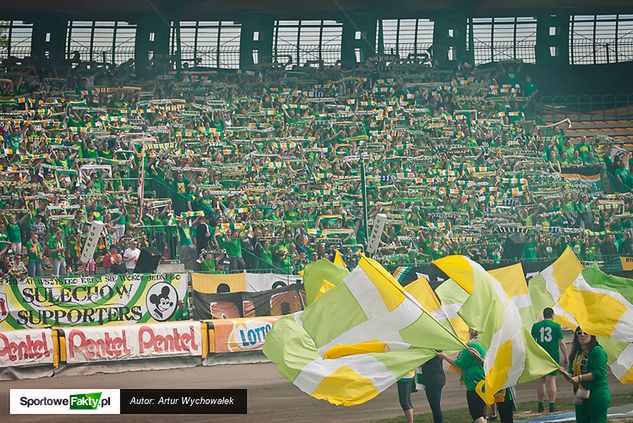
point(434, 379)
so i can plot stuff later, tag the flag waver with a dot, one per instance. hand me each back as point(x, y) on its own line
point(359, 338)
point(512, 354)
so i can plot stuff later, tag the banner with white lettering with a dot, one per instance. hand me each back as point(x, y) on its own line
point(26, 347)
point(108, 343)
point(93, 301)
point(247, 334)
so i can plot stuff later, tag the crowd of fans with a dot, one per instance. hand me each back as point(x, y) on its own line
point(262, 169)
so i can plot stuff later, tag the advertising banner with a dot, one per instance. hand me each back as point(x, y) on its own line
point(93, 301)
point(91, 344)
point(212, 283)
point(247, 334)
point(627, 263)
point(257, 282)
point(26, 347)
point(274, 302)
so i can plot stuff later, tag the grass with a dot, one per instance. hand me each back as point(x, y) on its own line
point(460, 415)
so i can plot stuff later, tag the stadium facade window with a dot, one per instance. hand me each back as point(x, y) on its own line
point(404, 37)
point(307, 42)
point(17, 37)
point(209, 44)
point(100, 41)
point(598, 39)
point(504, 38)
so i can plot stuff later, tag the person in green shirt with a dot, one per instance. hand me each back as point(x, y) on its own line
point(530, 252)
point(265, 254)
point(233, 247)
point(34, 250)
point(590, 159)
point(549, 335)
point(208, 263)
point(587, 371)
point(583, 148)
point(56, 247)
point(623, 175)
point(187, 250)
point(14, 233)
point(470, 361)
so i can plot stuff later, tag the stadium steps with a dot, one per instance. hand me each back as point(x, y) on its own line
point(620, 130)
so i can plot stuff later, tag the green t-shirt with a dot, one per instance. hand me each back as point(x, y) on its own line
point(529, 251)
point(266, 256)
point(548, 335)
point(472, 369)
point(53, 243)
point(185, 235)
point(583, 150)
point(13, 233)
point(34, 252)
point(207, 266)
point(233, 247)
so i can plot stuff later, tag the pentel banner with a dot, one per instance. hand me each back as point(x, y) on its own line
point(90, 344)
point(27, 347)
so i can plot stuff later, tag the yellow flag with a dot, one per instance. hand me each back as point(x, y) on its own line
point(338, 260)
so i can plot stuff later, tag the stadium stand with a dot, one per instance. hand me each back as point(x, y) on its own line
point(267, 168)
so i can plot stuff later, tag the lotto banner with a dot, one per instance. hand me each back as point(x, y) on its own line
point(236, 335)
point(90, 344)
point(92, 301)
point(27, 347)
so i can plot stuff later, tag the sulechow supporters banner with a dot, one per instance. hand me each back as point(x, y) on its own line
point(92, 301)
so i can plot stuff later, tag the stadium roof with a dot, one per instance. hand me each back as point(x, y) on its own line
point(215, 9)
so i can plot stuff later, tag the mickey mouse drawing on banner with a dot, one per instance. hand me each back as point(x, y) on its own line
point(162, 301)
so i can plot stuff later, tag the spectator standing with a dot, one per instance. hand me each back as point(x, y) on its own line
point(34, 250)
point(56, 248)
point(233, 247)
point(131, 255)
point(188, 253)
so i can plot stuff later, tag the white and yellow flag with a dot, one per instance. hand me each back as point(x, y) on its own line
point(512, 355)
point(599, 303)
point(357, 339)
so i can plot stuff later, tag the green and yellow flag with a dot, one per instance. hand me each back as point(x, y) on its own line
point(358, 339)
point(599, 303)
point(513, 356)
point(319, 271)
